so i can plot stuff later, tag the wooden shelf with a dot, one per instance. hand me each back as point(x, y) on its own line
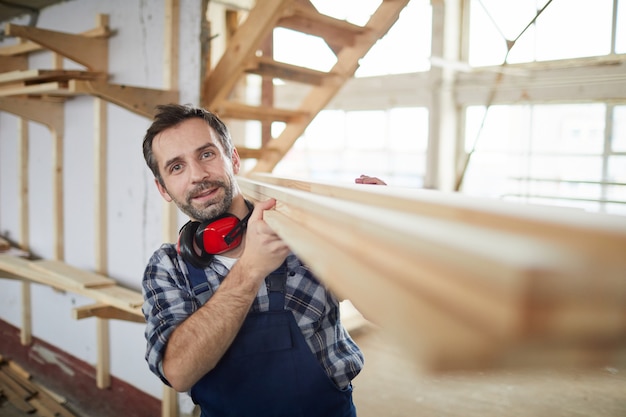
point(121, 303)
point(89, 49)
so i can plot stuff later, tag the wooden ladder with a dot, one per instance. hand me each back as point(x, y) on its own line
point(243, 56)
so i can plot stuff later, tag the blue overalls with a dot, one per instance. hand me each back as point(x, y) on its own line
point(269, 370)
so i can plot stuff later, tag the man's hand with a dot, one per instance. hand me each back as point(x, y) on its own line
point(366, 179)
point(264, 250)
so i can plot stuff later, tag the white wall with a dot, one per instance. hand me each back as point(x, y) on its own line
point(134, 206)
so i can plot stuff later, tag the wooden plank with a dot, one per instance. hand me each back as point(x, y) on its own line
point(337, 33)
point(48, 113)
point(245, 153)
point(120, 297)
point(20, 267)
point(432, 335)
point(347, 62)
point(65, 277)
point(242, 111)
point(105, 311)
point(87, 51)
point(170, 82)
point(597, 234)
point(494, 276)
point(26, 331)
point(13, 63)
point(103, 364)
point(11, 384)
point(74, 277)
point(260, 22)
point(39, 75)
point(266, 66)
point(50, 88)
point(19, 50)
point(514, 294)
point(139, 100)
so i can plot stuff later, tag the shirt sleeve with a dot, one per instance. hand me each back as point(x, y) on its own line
point(168, 301)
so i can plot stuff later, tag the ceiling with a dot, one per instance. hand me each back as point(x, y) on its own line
point(10, 9)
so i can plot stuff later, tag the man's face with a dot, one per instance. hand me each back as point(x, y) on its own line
point(197, 176)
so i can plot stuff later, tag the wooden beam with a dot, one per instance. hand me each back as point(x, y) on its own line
point(40, 75)
point(242, 111)
point(24, 209)
point(258, 25)
point(20, 50)
point(105, 311)
point(595, 234)
point(48, 113)
point(170, 81)
point(169, 403)
point(265, 66)
point(347, 63)
point(13, 63)
point(67, 278)
point(139, 100)
point(337, 33)
point(87, 51)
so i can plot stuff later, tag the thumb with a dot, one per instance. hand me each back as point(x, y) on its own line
point(260, 207)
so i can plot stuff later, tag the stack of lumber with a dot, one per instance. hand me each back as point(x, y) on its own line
point(462, 282)
point(17, 387)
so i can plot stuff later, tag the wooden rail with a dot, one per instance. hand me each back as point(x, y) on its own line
point(462, 282)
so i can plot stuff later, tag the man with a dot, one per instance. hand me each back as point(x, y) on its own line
point(232, 316)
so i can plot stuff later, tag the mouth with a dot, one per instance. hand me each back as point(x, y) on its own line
point(204, 195)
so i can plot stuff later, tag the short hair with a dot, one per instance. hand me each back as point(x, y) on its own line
point(170, 115)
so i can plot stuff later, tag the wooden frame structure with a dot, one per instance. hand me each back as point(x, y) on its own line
point(244, 55)
point(39, 95)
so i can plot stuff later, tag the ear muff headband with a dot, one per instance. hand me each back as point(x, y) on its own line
point(185, 247)
point(212, 237)
point(223, 233)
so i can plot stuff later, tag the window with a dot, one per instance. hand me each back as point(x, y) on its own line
point(341, 145)
point(414, 24)
point(556, 34)
point(546, 154)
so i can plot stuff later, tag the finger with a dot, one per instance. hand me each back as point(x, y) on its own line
point(260, 207)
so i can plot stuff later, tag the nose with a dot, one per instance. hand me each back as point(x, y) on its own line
point(197, 172)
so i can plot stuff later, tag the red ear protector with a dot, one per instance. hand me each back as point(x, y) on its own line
point(212, 237)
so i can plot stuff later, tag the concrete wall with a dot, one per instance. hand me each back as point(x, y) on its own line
point(134, 206)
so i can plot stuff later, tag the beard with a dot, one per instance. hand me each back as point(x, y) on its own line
point(211, 209)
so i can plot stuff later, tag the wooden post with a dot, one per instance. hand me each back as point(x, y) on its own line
point(26, 330)
point(169, 406)
point(103, 376)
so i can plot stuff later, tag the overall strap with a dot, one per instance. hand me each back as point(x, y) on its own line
point(276, 284)
point(199, 283)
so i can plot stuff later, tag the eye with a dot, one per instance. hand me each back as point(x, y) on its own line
point(207, 154)
point(175, 167)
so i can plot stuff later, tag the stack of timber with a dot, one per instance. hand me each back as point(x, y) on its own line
point(17, 387)
point(462, 282)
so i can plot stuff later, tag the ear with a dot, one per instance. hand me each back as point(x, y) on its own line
point(163, 191)
point(236, 161)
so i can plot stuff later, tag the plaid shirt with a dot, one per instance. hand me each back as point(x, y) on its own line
point(169, 300)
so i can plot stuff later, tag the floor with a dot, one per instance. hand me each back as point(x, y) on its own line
point(390, 386)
